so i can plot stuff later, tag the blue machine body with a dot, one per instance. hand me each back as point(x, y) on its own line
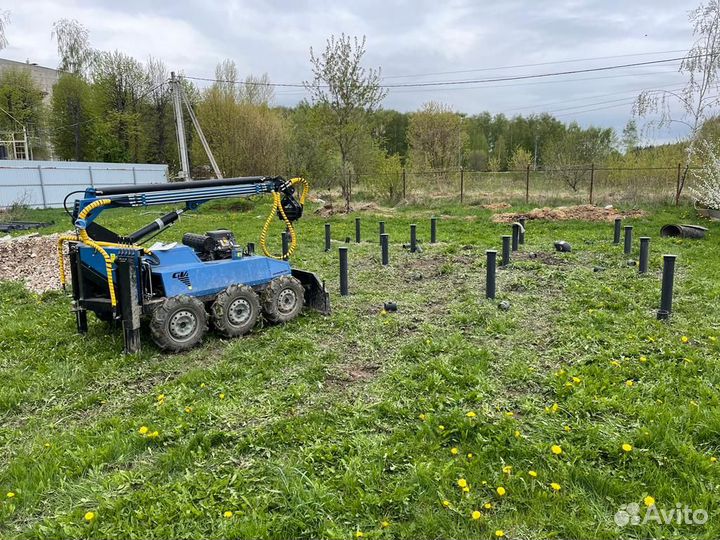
point(181, 271)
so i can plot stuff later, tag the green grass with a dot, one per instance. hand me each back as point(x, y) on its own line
point(320, 434)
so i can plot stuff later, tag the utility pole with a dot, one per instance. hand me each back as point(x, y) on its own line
point(182, 143)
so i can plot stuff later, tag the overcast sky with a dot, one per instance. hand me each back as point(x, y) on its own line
point(412, 41)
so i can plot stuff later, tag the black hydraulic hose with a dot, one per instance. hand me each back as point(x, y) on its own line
point(174, 186)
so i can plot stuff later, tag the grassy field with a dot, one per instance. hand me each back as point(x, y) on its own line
point(370, 424)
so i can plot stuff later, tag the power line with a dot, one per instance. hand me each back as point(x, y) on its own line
point(570, 61)
point(471, 81)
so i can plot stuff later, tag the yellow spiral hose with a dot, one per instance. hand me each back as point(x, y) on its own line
point(277, 207)
point(85, 239)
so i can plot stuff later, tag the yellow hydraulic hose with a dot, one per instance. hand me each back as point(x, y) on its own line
point(61, 261)
point(85, 239)
point(277, 207)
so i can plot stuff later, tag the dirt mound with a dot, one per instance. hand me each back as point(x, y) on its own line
point(32, 259)
point(330, 210)
point(496, 206)
point(583, 212)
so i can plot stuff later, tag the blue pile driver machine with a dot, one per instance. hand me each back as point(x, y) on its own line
point(177, 289)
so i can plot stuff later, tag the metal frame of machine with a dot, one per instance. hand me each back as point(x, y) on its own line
point(175, 286)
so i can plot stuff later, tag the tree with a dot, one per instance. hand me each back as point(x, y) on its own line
point(247, 138)
point(157, 114)
point(701, 94)
point(4, 21)
point(73, 46)
point(345, 93)
point(21, 105)
point(70, 118)
point(630, 137)
point(570, 157)
point(435, 137)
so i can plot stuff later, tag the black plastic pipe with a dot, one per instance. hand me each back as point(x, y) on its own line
point(382, 227)
point(327, 237)
point(506, 250)
point(357, 230)
point(628, 239)
point(343, 251)
point(644, 254)
point(413, 238)
point(491, 255)
point(618, 227)
point(666, 294)
point(433, 230)
point(522, 230)
point(515, 236)
point(385, 248)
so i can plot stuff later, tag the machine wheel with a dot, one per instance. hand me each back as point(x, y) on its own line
point(283, 299)
point(235, 310)
point(179, 323)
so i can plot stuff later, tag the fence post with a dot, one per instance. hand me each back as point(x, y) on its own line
point(527, 184)
point(42, 186)
point(134, 176)
point(343, 252)
point(404, 184)
point(92, 183)
point(462, 184)
point(677, 186)
point(592, 181)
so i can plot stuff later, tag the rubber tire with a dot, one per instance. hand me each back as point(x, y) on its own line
point(160, 323)
point(219, 310)
point(271, 295)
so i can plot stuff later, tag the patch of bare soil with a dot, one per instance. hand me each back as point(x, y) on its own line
point(496, 206)
point(330, 209)
point(32, 259)
point(346, 375)
point(583, 212)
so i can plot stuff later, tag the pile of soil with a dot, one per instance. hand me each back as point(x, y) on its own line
point(496, 206)
point(330, 210)
point(583, 212)
point(33, 260)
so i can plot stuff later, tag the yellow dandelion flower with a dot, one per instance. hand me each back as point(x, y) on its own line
point(487, 506)
point(499, 533)
point(568, 384)
point(629, 382)
point(507, 469)
point(471, 414)
point(713, 339)
point(476, 514)
point(501, 491)
point(222, 396)
point(454, 451)
point(684, 339)
point(556, 449)
point(227, 514)
point(385, 524)
point(509, 414)
point(188, 410)
point(143, 430)
point(567, 428)
point(517, 433)
point(161, 397)
point(643, 359)
point(615, 363)
point(533, 474)
point(47, 445)
point(649, 501)
point(359, 534)
point(627, 447)
point(89, 516)
point(202, 385)
point(713, 459)
point(153, 435)
point(462, 483)
point(470, 455)
point(577, 380)
point(446, 503)
point(10, 494)
point(555, 486)
point(441, 428)
point(423, 417)
point(466, 489)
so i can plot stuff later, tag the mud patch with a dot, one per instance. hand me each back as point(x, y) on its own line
point(583, 212)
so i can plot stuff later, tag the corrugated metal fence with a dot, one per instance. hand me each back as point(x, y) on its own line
point(44, 184)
